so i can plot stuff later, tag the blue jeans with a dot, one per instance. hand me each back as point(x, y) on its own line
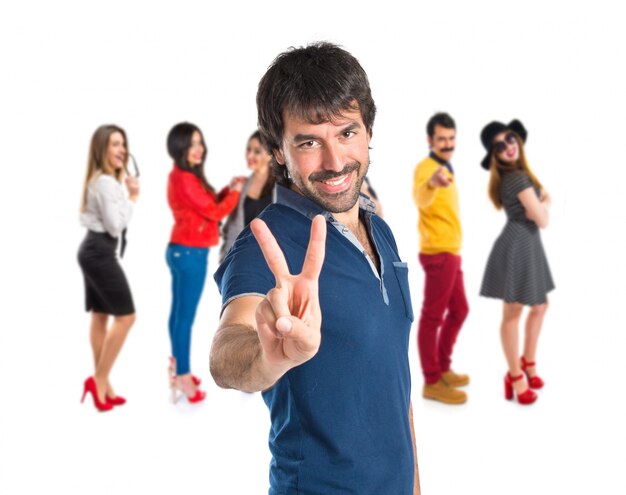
point(188, 266)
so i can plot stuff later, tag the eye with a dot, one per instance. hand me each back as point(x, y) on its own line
point(307, 144)
point(348, 134)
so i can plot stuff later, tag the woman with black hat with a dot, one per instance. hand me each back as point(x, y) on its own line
point(517, 269)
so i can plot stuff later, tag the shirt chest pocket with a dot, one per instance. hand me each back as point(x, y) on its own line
point(402, 274)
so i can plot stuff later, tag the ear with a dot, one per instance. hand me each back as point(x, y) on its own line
point(278, 155)
point(430, 141)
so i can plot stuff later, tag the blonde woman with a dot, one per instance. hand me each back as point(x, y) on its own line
point(517, 270)
point(106, 211)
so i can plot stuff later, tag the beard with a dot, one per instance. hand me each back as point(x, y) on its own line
point(333, 202)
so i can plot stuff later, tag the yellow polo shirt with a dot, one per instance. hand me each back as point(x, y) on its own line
point(439, 225)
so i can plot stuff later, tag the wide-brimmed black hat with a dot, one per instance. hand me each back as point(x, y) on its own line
point(494, 128)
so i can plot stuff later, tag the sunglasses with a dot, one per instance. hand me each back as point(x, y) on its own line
point(135, 167)
point(501, 146)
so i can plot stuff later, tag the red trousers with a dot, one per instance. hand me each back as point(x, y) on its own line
point(443, 312)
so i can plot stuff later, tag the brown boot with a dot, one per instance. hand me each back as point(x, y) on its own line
point(454, 379)
point(443, 392)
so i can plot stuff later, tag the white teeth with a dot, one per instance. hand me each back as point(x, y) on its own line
point(336, 182)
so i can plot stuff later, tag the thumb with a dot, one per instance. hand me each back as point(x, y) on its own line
point(284, 325)
point(305, 339)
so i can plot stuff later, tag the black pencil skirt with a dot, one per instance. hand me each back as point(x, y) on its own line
point(106, 288)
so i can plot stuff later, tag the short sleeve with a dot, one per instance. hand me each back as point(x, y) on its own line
point(515, 183)
point(244, 271)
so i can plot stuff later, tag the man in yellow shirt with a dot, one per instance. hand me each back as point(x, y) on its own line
point(445, 306)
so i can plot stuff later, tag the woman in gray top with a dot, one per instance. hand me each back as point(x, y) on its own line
point(257, 193)
point(517, 270)
point(106, 212)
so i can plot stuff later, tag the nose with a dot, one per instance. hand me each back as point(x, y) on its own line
point(333, 157)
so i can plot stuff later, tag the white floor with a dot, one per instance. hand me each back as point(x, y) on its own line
point(570, 441)
point(68, 67)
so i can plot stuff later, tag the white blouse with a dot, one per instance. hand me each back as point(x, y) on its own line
point(108, 209)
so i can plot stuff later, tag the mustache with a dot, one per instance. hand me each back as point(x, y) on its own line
point(446, 150)
point(327, 175)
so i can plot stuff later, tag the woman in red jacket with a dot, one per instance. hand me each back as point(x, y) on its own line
point(197, 211)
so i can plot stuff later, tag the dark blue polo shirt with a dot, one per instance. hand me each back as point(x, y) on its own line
point(340, 422)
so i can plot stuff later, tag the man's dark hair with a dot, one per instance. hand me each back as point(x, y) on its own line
point(315, 83)
point(442, 119)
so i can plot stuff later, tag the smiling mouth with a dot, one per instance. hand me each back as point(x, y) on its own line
point(335, 182)
point(336, 185)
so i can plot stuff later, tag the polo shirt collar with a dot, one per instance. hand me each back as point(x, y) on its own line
point(446, 164)
point(309, 208)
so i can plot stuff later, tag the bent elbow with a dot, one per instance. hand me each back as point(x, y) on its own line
point(216, 370)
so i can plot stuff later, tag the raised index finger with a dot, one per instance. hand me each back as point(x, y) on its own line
point(316, 251)
point(272, 253)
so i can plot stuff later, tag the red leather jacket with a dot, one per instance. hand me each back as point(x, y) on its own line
point(197, 212)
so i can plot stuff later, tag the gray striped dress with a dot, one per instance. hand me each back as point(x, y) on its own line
point(517, 268)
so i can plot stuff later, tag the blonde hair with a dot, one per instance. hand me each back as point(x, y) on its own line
point(97, 163)
point(497, 168)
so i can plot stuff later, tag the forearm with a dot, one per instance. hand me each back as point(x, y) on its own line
point(535, 210)
point(237, 360)
point(222, 208)
point(539, 215)
point(116, 215)
point(424, 194)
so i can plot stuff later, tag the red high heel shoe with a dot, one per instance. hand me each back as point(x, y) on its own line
point(198, 396)
point(525, 398)
point(533, 381)
point(196, 381)
point(90, 386)
point(115, 401)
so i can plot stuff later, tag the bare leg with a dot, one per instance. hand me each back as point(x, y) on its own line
point(186, 384)
point(97, 334)
point(509, 335)
point(534, 321)
point(110, 349)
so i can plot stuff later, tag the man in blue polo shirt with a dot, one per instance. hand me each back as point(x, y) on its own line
point(316, 304)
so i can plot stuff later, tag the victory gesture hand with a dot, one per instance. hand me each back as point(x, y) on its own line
point(289, 319)
point(440, 178)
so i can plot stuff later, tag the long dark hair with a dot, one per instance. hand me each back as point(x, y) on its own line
point(178, 144)
point(271, 178)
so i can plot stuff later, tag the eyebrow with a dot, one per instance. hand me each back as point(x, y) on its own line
point(299, 138)
point(304, 137)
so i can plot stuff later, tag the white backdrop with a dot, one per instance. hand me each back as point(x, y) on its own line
point(67, 67)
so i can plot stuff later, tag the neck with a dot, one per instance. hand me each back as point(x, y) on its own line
point(261, 172)
point(349, 218)
point(438, 157)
